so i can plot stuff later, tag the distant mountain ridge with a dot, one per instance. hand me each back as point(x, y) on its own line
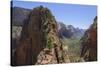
point(69, 31)
point(19, 14)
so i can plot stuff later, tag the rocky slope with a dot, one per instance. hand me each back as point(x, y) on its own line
point(89, 43)
point(39, 42)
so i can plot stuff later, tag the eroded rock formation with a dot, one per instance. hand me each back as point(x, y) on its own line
point(39, 42)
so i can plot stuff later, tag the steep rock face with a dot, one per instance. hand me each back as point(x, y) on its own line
point(89, 43)
point(39, 38)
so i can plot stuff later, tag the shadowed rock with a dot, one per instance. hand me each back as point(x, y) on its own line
point(39, 35)
point(89, 43)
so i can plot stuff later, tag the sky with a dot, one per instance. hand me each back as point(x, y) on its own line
point(70, 14)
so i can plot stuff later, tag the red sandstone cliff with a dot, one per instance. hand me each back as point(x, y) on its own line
point(89, 43)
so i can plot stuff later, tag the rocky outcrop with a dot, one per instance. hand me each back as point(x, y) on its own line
point(39, 42)
point(89, 43)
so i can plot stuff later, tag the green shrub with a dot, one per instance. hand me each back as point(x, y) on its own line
point(49, 43)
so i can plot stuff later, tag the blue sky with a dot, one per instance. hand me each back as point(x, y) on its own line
point(70, 14)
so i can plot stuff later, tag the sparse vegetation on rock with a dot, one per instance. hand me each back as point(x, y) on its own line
point(39, 38)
